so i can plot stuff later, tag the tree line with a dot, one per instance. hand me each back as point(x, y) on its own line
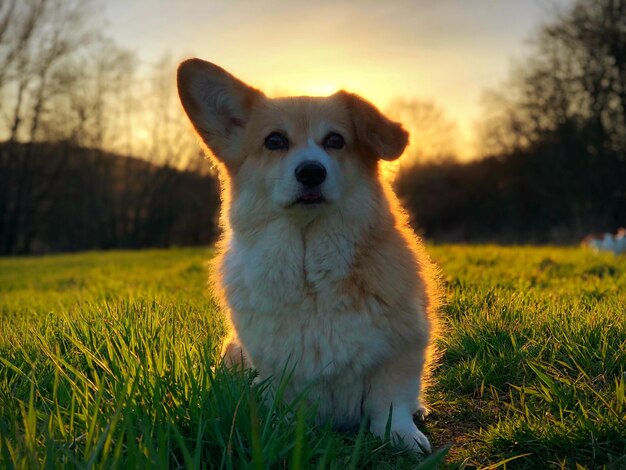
point(554, 140)
point(74, 108)
point(71, 102)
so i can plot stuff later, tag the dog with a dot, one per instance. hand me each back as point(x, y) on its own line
point(317, 266)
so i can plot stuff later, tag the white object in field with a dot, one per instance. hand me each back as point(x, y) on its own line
point(616, 244)
point(620, 241)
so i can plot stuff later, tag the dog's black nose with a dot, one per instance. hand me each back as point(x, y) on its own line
point(310, 173)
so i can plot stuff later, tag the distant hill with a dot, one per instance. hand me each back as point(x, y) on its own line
point(59, 197)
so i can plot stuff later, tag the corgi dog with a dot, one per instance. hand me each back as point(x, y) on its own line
point(317, 266)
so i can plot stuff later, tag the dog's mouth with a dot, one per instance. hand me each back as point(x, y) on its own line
point(308, 199)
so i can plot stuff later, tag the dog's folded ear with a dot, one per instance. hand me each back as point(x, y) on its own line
point(378, 136)
point(218, 105)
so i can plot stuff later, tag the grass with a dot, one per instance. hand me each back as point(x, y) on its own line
point(107, 360)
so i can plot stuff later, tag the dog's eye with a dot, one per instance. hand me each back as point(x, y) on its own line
point(276, 141)
point(334, 141)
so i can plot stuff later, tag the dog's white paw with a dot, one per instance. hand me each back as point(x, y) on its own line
point(413, 439)
point(403, 431)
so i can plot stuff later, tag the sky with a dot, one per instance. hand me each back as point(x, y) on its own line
point(446, 51)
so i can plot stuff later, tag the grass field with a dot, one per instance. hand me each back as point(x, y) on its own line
point(106, 360)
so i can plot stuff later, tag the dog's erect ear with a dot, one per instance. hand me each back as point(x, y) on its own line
point(378, 135)
point(217, 104)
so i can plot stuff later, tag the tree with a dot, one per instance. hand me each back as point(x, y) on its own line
point(433, 135)
point(554, 143)
point(69, 99)
point(38, 39)
point(564, 113)
point(574, 83)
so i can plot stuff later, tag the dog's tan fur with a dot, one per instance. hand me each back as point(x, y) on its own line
point(342, 291)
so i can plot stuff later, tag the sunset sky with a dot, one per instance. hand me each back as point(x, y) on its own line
point(448, 51)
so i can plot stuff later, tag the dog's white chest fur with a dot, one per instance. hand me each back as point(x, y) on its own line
point(291, 309)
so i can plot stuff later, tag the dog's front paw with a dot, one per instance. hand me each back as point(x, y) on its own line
point(413, 439)
point(404, 432)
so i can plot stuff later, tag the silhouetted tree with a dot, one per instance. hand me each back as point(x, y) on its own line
point(433, 135)
point(574, 83)
point(556, 134)
point(68, 99)
point(38, 40)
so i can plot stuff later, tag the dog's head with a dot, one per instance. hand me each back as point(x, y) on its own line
point(298, 155)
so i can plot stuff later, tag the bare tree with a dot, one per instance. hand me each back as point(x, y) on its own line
point(168, 140)
point(18, 23)
point(575, 82)
point(37, 39)
point(433, 135)
point(560, 120)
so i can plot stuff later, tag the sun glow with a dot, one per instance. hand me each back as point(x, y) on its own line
point(318, 88)
point(447, 52)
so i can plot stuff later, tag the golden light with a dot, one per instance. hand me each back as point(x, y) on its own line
point(315, 88)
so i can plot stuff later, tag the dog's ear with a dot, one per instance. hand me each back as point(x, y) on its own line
point(217, 104)
point(377, 135)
